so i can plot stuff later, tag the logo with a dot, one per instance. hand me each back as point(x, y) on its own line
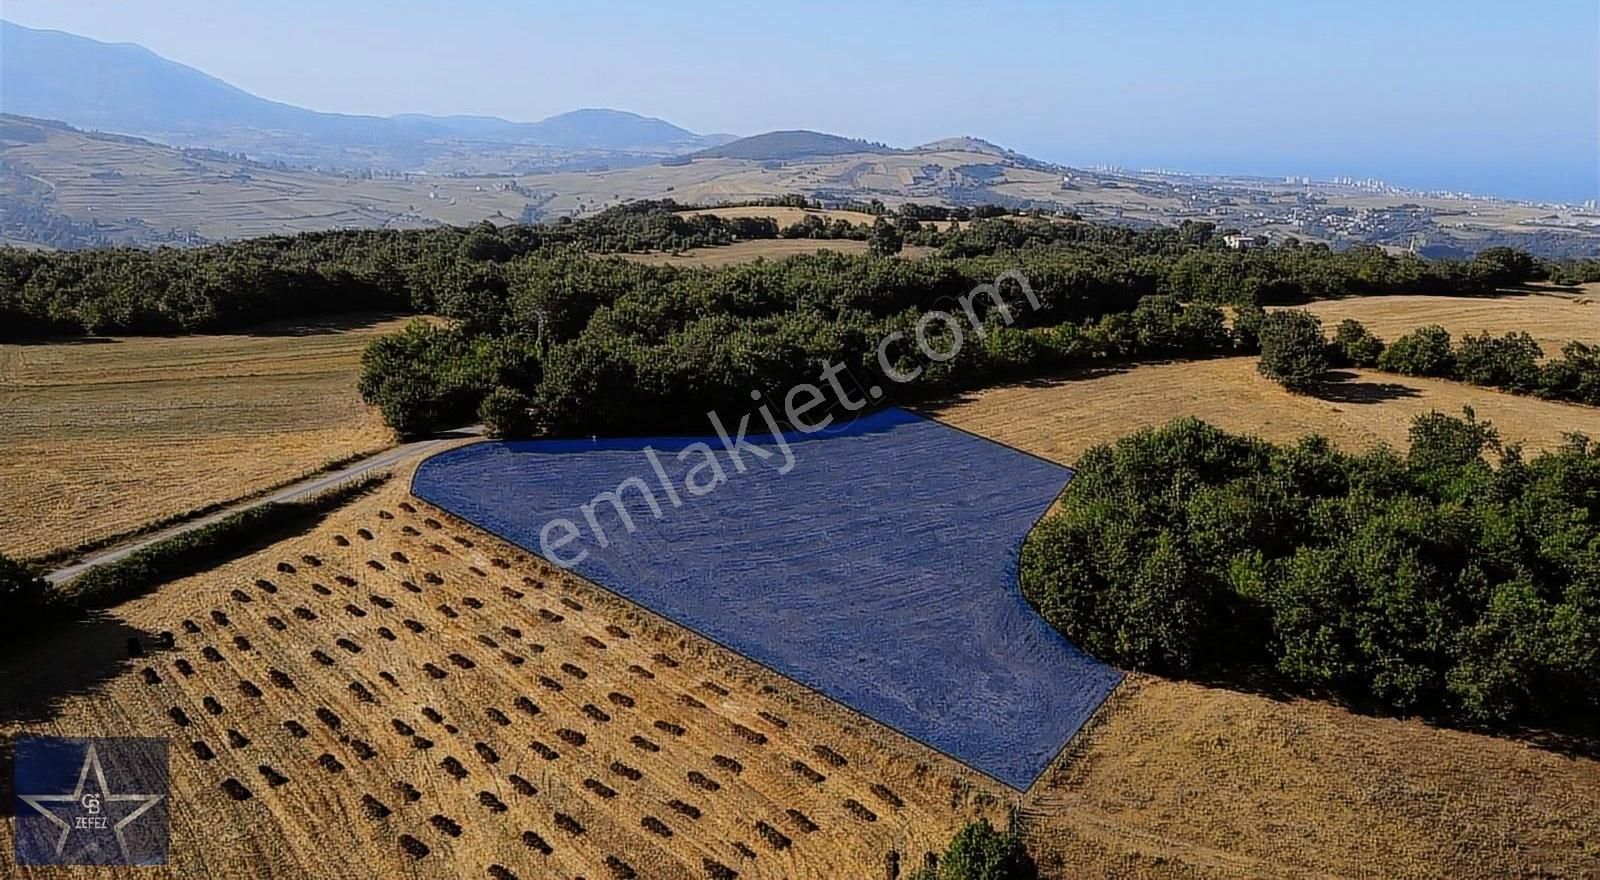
point(91, 801)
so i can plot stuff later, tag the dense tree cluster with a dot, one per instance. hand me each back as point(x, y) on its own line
point(228, 286)
point(595, 346)
point(1435, 582)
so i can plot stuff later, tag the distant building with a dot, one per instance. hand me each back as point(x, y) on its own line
point(1239, 242)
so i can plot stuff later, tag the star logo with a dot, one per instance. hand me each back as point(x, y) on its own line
point(91, 815)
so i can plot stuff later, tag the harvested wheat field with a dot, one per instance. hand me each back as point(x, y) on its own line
point(102, 436)
point(1062, 418)
point(396, 696)
point(1551, 318)
point(1183, 780)
point(768, 248)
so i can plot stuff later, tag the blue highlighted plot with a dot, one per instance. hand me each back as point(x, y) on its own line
point(875, 562)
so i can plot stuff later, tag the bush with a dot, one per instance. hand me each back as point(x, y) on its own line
point(1574, 376)
point(507, 414)
point(1460, 581)
point(1355, 345)
point(1247, 321)
point(1422, 352)
point(979, 852)
point(1510, 361)
point(1293, 349)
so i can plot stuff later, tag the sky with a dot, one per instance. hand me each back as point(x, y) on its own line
point(1481, 95)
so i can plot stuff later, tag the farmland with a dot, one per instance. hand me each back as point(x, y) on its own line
point(390, 695)
point(1186, 780)
point(1553, 319)
point(101, 436)
point(834, 569)
point(1062, 418)
point(770, 249)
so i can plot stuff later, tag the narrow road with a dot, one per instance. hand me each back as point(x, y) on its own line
point(303, 489)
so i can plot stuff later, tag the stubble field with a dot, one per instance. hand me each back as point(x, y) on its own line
point(391, 695)
point(1550, 317)
point(1063, 417)
point(764, 248)
point(103, 436)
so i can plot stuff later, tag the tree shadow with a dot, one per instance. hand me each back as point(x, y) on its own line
point(319, 326)
point(61, 340)
point(1341, 386)
point(73, 659)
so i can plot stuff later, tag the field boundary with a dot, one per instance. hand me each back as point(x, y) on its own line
point(638, 607)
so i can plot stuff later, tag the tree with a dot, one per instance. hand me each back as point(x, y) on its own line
point(979, 852)
point(886, 240)
point(1293, 350)
point(1357, 346)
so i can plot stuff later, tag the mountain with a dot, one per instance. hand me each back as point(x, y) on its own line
point(127, 88)
point(787, 145)
point(594, 129)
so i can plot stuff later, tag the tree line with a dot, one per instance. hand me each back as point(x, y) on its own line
point(564, 343)
point(275, 278)
point(1295, 352)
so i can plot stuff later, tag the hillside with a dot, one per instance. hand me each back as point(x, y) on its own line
point(62, 187)
point(787, 145)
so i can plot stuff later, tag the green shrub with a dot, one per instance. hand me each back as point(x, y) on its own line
point(1247, 321)
point(1510, 361)
point(1422, 352)
point(1574, 376)
point(1355, 345)
point(506, 413)
point(1293, 350)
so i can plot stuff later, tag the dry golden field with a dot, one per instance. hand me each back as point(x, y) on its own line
point(1182, 780)
point(1551, 318)
point(395, 678)
point(100, 437)
point(1062, 418)
point(395, 696)
point(767, 248)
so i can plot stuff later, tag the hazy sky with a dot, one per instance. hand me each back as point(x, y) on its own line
point(1488, 95)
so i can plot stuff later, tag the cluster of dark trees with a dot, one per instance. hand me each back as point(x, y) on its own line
point(229, 286)
point(581, 346)
point(1295, 353)
point(1437, 582)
